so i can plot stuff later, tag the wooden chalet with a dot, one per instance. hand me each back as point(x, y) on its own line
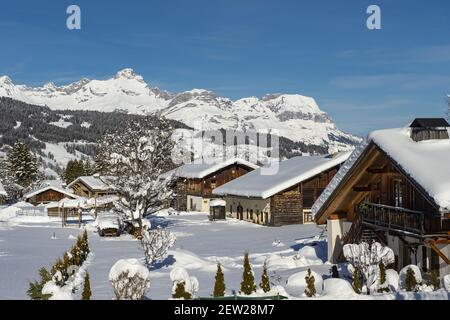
point(94, 186)
point(285, 197)
point(394, 189)
point(48, 193)
point(195, 182)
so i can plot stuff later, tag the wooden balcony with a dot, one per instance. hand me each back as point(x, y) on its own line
point(394, 218)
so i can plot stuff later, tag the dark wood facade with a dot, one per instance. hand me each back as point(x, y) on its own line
point(204, 187)
point(290, 206)
point(379, 198)
point(47, 197)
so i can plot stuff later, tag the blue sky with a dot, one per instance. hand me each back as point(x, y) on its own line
point(364, 79)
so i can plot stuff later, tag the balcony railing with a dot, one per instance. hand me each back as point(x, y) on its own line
point(393, 218)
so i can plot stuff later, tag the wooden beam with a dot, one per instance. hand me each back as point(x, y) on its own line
point(362, 188)
point(337, 216)
point(374, 170)
point(432, 245)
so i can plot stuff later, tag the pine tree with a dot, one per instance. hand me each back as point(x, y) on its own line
point(86, 295)
point(310, 290)
point(84, 245)
point(434, 280)
point(74, 169)
point(334, 272)
point(383, 287)
point(265, 281)
point(35, 288)
point(76, 255)
point(180, 292)
point(357, 283)
point(410, 281)
point(67, 262)
point(248, 280)
point(22, 164)
point(88, 168)
point(219, 285)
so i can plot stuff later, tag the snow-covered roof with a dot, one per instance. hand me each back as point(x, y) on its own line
point(94, 182)
point(80, 202)
point(100, 201)
point(345, 168)
point(290, 173)
point(201, 170)
point(427, 162)
point(46, 188)
point(2, 190)
point(217, 203)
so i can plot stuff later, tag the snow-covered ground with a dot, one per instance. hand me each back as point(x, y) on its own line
point(26, 244)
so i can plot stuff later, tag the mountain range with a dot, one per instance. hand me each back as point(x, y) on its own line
point(297, 118)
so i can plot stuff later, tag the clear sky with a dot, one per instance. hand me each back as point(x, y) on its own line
point(364, 79)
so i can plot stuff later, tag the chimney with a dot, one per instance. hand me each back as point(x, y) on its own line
point(429, 129)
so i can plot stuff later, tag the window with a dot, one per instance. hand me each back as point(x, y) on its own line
point(398, 193)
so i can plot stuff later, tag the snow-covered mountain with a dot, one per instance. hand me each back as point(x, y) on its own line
point(297, 117)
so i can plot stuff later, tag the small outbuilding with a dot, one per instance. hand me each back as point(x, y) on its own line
point(217, 209)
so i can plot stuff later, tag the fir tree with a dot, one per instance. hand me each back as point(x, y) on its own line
point(22, 164)
point(310, 290)
point(248, 280)
point(334, 272)
point(67, 262)
point(59, 266)
point(86, 295)
point(35, 288)
point(433, 280)
point(410, 281)
point(88, 168)
point(265, 281)
point(180, 292)
point(219, 285)
point(84, 245)
point(382, 287)
point(357, 283)
point(74, 169)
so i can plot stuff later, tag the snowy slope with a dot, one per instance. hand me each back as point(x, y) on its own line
point(297, 117)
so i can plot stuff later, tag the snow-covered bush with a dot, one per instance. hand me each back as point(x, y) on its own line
point(336, 288)
point(412, 279)
point(130, 279)
point(296, 283)
point(446, 281)
point(156, 243)
point(392, 279)
point(366, 258)
point(56, 292)
point(64, 277)
point(182, 282)
point(307, 256)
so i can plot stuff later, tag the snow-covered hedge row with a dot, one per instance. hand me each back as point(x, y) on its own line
point(65, 276)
